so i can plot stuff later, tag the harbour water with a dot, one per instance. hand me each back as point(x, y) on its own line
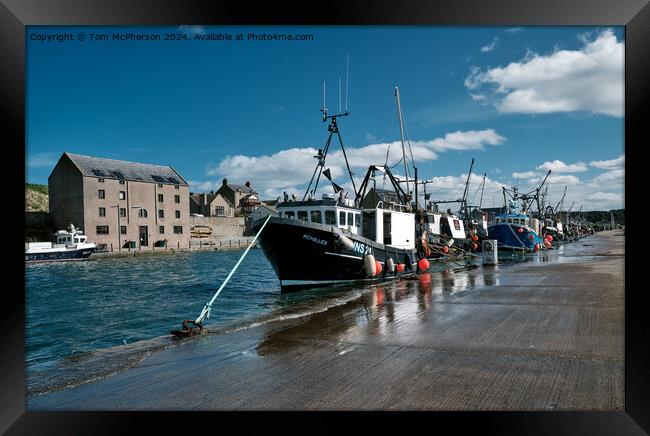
point(86, 320)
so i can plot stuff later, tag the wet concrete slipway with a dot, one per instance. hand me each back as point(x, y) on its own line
point(546, 334)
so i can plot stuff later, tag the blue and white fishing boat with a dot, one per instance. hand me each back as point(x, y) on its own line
point(517, 229)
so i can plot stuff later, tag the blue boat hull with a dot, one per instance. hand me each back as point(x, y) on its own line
point(509, 236)
point(82, 253)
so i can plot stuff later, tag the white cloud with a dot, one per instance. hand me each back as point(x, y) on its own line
point(557, 166)
point(610, 178)
point(609, 164)
point(525, 175)
point(589, 79)
point(293, 168)
point(491, 46)
point(555, 180)
point(43, 159)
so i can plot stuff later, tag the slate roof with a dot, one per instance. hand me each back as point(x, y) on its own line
point(124, 170)
point(243, 188)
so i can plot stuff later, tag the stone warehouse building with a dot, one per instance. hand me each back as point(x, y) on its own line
point(120, 203)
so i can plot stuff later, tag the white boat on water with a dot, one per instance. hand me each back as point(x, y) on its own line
point(70, 244)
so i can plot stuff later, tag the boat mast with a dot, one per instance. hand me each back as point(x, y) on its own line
point(401, 131)
point(322, 154)
point(463, 204)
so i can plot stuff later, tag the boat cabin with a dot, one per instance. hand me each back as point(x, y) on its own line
point(329, 211)
point(72, 236)
point(387, 224)
point(515, 219)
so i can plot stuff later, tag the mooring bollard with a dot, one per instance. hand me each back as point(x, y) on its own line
point(490, 252)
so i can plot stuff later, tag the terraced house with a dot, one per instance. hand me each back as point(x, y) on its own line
point(125, 205)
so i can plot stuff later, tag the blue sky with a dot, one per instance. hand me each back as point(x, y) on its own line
point(518, 100)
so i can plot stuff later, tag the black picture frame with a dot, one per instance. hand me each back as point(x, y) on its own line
point(634, 15)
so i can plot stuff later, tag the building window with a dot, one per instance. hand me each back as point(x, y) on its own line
point(178, 214)
point(142, 213)
point(101, 193)
point(102, 230)
point(122, 195)
point(341, 218)
point(102, 211)
point(100, 180)
point(177, 198)
point(122, 182)
point(161, 229)
point(122, 212)
point(123, 230)
point(176, 187)
point(219, 211)
point(315, 216)
point(160, 198)
point(178, 229)
point(160, 185)
point(161, 213)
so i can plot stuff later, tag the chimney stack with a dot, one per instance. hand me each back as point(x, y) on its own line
point(225, 181)
point(248, 184)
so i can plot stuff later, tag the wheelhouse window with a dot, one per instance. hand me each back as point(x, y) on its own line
point(350, 218)
point(178, 230)
point(142, 213)
point(101, 193)
point(330, 217)
point(316, 216)
point(509, 220)
point(290, 214)
point(102, 230)
point(456, 224)
point(341, 218)
point(302, 215)
point(357, 220)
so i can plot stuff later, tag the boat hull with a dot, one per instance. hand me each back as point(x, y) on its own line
point(80, 254)
point(306, 255)
point(509, 237)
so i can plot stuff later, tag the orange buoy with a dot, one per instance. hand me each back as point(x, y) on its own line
point(474, 246)
point(445, 249)
point(423, 264)
point(400, 267)
point(378, 267)
point(520, 230)
point(549, 238)
point(531, 237)
point(474, 238)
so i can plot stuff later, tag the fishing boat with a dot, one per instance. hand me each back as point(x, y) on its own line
point(517, 229)
point(70, 244)
point(340, 238)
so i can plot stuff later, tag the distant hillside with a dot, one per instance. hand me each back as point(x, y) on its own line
point(36, 197)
